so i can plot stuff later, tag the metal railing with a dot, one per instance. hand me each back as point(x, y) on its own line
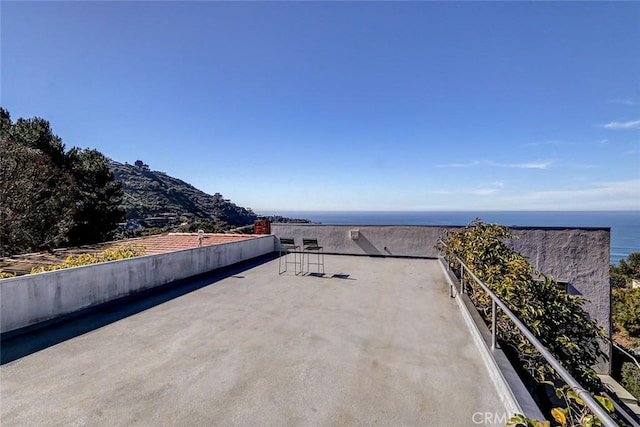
point(626, 353)
point(582, 393)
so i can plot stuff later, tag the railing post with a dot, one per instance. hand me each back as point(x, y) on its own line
point(494, 329)
point(461, 279)
point(452, 285)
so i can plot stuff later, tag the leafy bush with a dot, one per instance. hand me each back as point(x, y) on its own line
point(121, 252)
point(631, 379)
point(71, 261)
point(575, 413)
point(625, 306)
point(626, 270)
point(616, 279)
point(6, 275)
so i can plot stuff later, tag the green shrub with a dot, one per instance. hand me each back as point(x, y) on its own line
point(621, 275)
point(123, 252)
point(625, 307)
point(6, 275)
point(109, 254)
point(71, 261)
point(631, 379)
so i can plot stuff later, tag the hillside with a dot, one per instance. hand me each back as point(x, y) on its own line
point(151, 195)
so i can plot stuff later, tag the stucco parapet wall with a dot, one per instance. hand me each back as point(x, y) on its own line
point(419, 240)
point(29, 299)
point(374, 240)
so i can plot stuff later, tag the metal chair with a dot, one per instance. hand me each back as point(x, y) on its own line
point(309, 246)
point(288, 246)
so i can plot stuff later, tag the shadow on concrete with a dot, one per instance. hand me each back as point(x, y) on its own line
point(342, 276)
point(330, 276)
point(315, 275)
point(367, 246)
point(25, 341)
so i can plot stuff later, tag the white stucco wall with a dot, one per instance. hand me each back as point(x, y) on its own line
point(375, 240)
point(577, 256)
point(30, 299)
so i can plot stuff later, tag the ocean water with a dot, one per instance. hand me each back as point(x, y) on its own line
point(625, 225)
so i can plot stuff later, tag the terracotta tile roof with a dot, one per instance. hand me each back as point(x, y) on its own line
point(176, 241)
point(156, 244)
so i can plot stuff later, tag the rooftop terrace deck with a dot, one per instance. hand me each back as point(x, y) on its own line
point(376, 341)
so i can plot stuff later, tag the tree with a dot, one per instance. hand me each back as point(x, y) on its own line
point(36, 200)
point(49, 197)
point(99, 197)
point(634, 264)
point(621, 275)
point(37, 133)
point(625, 308)
point(5, 122)
point(141, 165)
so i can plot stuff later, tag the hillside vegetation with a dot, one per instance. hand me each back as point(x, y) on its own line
point(152, 196)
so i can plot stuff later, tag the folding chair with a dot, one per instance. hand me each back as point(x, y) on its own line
point(309, 246)
point(288, 246)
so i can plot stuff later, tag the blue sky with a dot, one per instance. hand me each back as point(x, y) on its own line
point(345, 105)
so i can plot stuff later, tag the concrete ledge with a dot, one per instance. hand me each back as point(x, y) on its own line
point(514, 394)
point(30, 299)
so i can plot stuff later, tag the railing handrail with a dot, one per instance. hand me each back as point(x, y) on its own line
point(566, 376)
point(626, 353)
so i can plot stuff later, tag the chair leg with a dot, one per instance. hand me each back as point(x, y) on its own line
point(319, 261)
point(298, 262)
point(280, 270)
point(302, 263)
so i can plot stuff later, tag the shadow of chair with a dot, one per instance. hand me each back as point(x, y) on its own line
point(308, 247)
point(288, 247)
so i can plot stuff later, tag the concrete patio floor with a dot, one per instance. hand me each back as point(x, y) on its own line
point(375, 341)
